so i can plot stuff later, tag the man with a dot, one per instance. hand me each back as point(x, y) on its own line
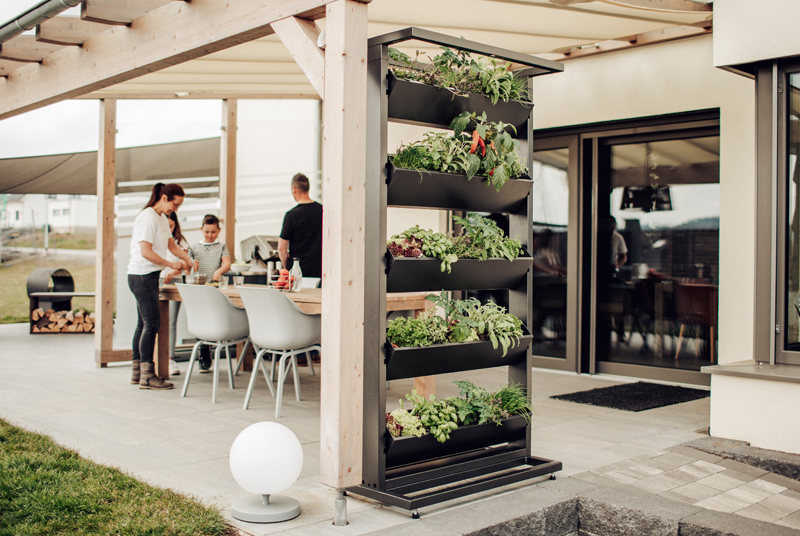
point(301, 235)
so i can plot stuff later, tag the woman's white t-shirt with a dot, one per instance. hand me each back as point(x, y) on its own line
point(148, 227)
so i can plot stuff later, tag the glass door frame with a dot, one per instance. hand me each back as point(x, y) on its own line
point(781, 75)
point(672, 131)
point(574, 264)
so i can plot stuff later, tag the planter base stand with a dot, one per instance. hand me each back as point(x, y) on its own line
point(438, 480)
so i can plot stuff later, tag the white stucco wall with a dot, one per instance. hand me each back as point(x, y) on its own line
point(747, 31)
point(670, 78)
point(764, 413)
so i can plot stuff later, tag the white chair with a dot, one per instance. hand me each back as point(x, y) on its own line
point(214, 320)
point(278, 326)
point(311, 282)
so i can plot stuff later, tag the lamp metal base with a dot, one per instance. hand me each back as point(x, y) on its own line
point(252, 509)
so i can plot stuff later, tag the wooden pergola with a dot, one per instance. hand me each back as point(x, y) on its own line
point(172, 48)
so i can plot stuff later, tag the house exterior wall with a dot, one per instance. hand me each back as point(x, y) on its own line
point(747, 31)
point(664, 79)
point(31, 209)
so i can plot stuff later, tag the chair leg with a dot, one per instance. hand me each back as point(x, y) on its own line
point(241, 357)
point(217, 352)
point(279, 395)
point(230, 364)
point(310, 362)
point(266, 377)
point(253, 376)
point(296, 375)
point(273, 358)
point(680, 342)
point(191, 367)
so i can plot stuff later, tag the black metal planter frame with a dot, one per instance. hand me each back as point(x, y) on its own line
point(414, 472)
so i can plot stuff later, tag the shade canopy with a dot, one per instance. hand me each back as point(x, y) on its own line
point(264, 68)
point(137, 169)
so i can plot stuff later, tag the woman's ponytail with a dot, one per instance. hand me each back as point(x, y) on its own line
point(155, 195)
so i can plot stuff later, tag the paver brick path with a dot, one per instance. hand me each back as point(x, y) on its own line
point(706, 480)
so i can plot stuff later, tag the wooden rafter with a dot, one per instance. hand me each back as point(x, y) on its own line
point(25, 48)
point(68, 31)
point(673, 6)
point(203, 94)
point(121, 12)
point(300, 37)
point(173, 34)
point(7, 66)
point(638, 40)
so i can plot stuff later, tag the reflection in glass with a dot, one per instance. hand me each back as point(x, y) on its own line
point(792, 253)
point(658, 253)
point(549, 251)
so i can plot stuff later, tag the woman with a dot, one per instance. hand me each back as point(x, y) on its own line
point(149, 246)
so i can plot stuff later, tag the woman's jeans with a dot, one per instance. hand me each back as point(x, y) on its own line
point(145, 290)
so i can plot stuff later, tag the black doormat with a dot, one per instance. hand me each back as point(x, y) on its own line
point(637, 396)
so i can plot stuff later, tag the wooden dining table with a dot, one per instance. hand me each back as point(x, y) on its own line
point(309, 300)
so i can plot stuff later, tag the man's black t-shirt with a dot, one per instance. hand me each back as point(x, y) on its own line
point(302, 227)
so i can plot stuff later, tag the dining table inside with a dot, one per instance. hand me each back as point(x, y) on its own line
point(309, 300)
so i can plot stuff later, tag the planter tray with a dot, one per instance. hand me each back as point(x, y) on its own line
point(420, 274)
point(411, 362)
point(410, 450)
point(453, 191)
point(416, 103)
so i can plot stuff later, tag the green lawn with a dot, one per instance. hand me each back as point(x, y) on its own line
point(26, 239)
point(46, 489)
point(14, 303)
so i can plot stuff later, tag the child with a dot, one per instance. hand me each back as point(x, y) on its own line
point(168, 275)
point(211, 259)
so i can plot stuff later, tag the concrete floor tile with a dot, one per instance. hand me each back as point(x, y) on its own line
point(619, 477)
point(696, 491)
point(782, 503)
point(767, 489)
point(781, 480)
point(637, 470)
point(720, 482)
point(744, 495)
point(673, 496)
point(657, 484)
point(701, 469)
point(742, 468)
point(667, 461)
point(696, 454)
point(791, 493)
point(792, 521)
point(761, 513)
point(722, 503)
point(741, 477)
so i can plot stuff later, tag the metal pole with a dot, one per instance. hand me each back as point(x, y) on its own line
point(340, 509)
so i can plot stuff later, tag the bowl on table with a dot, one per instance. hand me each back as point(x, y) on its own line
point(241, 268)
point(195, 279)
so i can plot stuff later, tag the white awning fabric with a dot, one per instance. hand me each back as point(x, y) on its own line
point(138, 168)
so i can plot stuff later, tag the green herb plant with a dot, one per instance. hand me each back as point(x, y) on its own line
point(476, 405)
point(476, 147)
point(460, 73)
point(480, 238)
point(463, 321)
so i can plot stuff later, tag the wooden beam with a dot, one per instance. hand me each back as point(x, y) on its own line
point(104, 264)
point(672, 6)
point(311, 95)
point(25, 48)
point(300, 38)
point(112, 356)
point(638, 40)
point(68, 31)
point(227, 174)
point(173, 34)
point(120, 12)
point(344, 198)
point(7, 66)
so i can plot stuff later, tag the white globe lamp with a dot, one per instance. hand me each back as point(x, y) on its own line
point(266, 458)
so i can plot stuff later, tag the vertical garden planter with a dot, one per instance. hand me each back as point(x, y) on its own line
point(413, 472)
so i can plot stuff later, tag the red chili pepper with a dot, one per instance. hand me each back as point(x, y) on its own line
point(495, 150)
point(491, 172)
point(475, 140)
point(483, 147)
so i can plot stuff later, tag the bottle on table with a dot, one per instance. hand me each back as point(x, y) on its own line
point(296, 276)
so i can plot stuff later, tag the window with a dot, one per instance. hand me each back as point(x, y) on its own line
point(57, 212)
point(52, 196)
point(16, 215)
point(65, 212)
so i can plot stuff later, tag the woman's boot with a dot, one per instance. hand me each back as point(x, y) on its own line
point(136, 372)
point(149, 380)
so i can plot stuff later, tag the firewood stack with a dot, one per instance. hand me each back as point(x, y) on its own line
point(50, 321)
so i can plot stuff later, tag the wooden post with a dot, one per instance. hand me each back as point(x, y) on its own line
point(227, 175)
point(104, 264)
point(344, 198)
